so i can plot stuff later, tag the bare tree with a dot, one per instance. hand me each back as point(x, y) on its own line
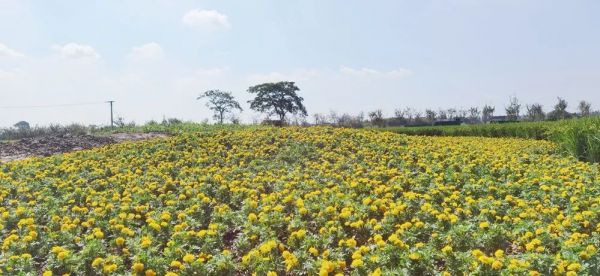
point(487, 113)
point(451, 113)
point(376, 118)
point(560, 110)
point(400, 114)
point(430, 115)
point(474, 114)
point(535, 112)
point(513, 109)
point(585, 108)
point(442, 115)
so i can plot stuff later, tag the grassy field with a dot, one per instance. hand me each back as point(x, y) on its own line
point(302, 201)
point(578, 137)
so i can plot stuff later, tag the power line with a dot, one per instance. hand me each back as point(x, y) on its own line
point(49, 105)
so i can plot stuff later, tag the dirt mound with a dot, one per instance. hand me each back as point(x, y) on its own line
point(49, 145)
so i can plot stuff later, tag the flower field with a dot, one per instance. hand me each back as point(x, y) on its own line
point(302, 201)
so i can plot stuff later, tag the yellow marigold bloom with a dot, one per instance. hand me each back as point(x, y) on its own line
point(414, 256)
point(313, 251)
point(376, 272)
point(150, 272)
point(137, 267)
point(357, 263)
point(120, 241)
point(145, 242)
point(171, 274)
point(47, 273)
point(447, 249)
point(176, 264)
point(484, 225)
point(326, 268)
point(252, 217)
point(155, 226)
point(271, 273)
point(499, 253)
point(109, 268)
point(62, 255)
point(189, 258)
point(351, 242)
point(497, 265)
point(97, 262)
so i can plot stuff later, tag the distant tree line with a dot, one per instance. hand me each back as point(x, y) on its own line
point(514, 111)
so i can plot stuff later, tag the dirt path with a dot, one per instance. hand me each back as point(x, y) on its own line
point(49, 145)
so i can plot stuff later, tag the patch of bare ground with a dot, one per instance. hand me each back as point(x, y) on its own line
point(50, 145)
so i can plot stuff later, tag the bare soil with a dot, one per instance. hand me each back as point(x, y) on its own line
point(50, 145)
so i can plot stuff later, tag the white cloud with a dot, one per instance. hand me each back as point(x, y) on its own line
point(206, 19)
point(77, 51)
point(5, 51)
point(368, 72)
point(147, 51)
point(7, 75)
point(211, 72)
point(297, 75)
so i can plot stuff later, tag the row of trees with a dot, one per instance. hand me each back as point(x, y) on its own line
point(515, 111)
point(279, 99)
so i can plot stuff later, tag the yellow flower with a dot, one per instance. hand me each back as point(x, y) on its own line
point(497, 265)
point(109, 268)
point(414, 256)
point(137, 267)
point(47, 273)
point(120, 241)
point(62, 255)
point(176, 264)
point(357, 263)
point(313, 251)
point(189, 258)
point(97, 262)
point(376, 272)
point(150, 272)
point(484, 225)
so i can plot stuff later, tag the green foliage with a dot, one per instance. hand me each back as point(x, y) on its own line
point(580, 138)
point(577, 137)
point(277, 99)
point(221, 103)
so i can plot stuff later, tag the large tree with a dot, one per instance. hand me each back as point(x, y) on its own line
point(277, 99)
point(221, 103)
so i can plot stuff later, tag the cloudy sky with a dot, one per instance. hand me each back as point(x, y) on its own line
point(153, 57)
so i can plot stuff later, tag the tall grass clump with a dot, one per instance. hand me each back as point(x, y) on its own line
point(580, 138)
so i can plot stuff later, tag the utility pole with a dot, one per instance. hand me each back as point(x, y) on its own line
point(112, 122)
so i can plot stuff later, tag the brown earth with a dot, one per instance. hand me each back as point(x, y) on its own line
point(50, 145)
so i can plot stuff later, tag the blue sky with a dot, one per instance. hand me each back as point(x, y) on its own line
point(155, 56)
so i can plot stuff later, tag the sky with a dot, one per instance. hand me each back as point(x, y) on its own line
point(154, 57)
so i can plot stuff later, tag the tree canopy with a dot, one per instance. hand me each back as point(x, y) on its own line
point(277, 99)
point(221, 103)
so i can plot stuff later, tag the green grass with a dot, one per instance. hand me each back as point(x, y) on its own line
point(531, 130)
point(580, 138)
point(577, 137)
point(170, 128)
